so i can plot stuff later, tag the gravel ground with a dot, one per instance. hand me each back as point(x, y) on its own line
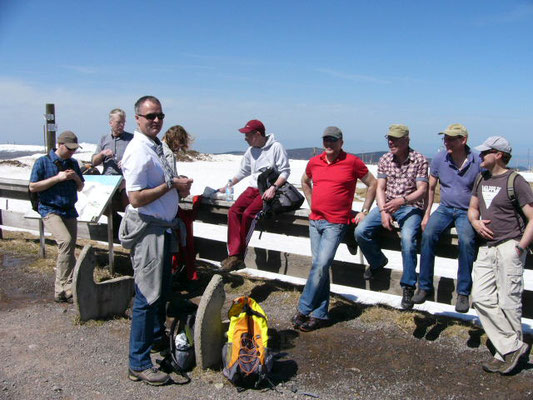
point(367, 352)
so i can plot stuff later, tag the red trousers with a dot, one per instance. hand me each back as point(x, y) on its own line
point(240, 218)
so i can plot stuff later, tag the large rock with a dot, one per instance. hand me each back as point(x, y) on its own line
point(208, 328)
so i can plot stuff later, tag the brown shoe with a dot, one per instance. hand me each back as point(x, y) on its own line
point(511, 359)
point(151, 376)
point(232, 263)
point(493, 365)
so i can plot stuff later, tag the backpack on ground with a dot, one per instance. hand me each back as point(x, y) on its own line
point(287, 197)
point(246, 357)
point(181, 358)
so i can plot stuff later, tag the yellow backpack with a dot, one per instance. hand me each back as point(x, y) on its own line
point(246, 356)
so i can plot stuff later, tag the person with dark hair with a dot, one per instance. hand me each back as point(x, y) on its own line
point(506, 231)
point(148, 230)
point(402, 187)
point(329, 184)
point(264, 152)
point(456, 169)
point(57, 178)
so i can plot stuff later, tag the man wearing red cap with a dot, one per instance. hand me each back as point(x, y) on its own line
point(264, 152)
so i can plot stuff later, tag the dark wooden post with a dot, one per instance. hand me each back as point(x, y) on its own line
point(50, 117)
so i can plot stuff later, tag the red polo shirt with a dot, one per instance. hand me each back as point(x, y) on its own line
point(334, 186)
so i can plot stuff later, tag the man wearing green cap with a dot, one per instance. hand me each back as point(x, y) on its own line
point(402, 186)
point(455, 168)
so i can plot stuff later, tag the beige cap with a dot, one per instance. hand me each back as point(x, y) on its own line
point(398, 130)
point(455, 130)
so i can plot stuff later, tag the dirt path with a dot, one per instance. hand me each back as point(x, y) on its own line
point(368, 352)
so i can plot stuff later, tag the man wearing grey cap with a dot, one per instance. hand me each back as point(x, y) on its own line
point(506, 230)
point(402, 186)
point(57, 178)
point(329, 185)
point(456, 169)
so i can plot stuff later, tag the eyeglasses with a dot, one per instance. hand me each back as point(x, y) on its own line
point(393, 138)
point(447, 138)
point(153, 116)
point(332, 139)
point(484, 153)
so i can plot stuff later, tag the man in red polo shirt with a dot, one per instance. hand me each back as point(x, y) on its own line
point(329, 185)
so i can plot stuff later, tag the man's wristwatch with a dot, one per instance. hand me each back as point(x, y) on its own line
point(404, 200)
point(170, 184)
point(520, 249)
point(276, 187)
point(365, 211)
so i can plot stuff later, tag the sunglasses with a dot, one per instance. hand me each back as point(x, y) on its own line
point(484, 153)
point(330, 139)
point(153, 116)
point(393, 138)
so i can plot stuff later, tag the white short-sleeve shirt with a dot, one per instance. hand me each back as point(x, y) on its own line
point(142, 169)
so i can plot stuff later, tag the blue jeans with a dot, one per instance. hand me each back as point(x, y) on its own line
point(409, 219)
point(441, 220)
point(148, 320)
point(325, 238)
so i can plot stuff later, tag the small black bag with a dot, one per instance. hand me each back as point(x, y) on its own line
point(287, 197)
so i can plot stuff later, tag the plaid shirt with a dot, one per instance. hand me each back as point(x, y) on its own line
point(402, 178)
point(60, 198)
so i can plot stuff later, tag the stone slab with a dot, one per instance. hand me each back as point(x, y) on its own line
point(208, 328)
point(99, 300)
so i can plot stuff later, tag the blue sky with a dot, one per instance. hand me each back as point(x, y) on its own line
point(299, 66)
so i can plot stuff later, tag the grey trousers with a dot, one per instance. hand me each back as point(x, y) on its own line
point(64, 230)
point(497, 295)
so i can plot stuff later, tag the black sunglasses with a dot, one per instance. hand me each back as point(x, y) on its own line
point(330, 139)
point(485, 152)
point(153, 116)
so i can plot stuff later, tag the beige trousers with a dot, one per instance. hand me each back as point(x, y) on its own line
point(497, 295)
point(64, 230)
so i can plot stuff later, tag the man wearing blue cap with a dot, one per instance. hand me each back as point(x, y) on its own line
point(506, 230)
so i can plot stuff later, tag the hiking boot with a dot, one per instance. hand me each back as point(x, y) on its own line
point(313, 324)
point(407, 298)
point(299, 319)
point(62, 298)
point(151, 376)
point(421, 296)
point(232, 263)
point(371, 273)
point(493, 365)
point(511, 359)
point(463, 304)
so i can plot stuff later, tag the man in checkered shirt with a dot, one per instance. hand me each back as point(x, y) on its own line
point(402, 187)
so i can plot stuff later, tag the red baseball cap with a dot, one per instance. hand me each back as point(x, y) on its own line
point(253, 125)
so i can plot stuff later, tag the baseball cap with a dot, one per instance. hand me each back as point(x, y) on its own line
point(455, 130)
point(332, 131)
point(497, 143)
point(253, 125)
point(69, 139)
point(398, 131)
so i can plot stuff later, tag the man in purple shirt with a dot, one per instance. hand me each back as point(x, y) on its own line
point(455, 168)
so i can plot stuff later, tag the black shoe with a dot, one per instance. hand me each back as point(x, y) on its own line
point(407, 298)
point(299, 319)
point(313, 324)
point(463, 304)
point(373, 272)
point(511, 359)
point(62, 298)
point(421, 296)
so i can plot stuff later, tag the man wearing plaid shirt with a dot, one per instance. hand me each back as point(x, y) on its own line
point(57, 178)
point(402, 187)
